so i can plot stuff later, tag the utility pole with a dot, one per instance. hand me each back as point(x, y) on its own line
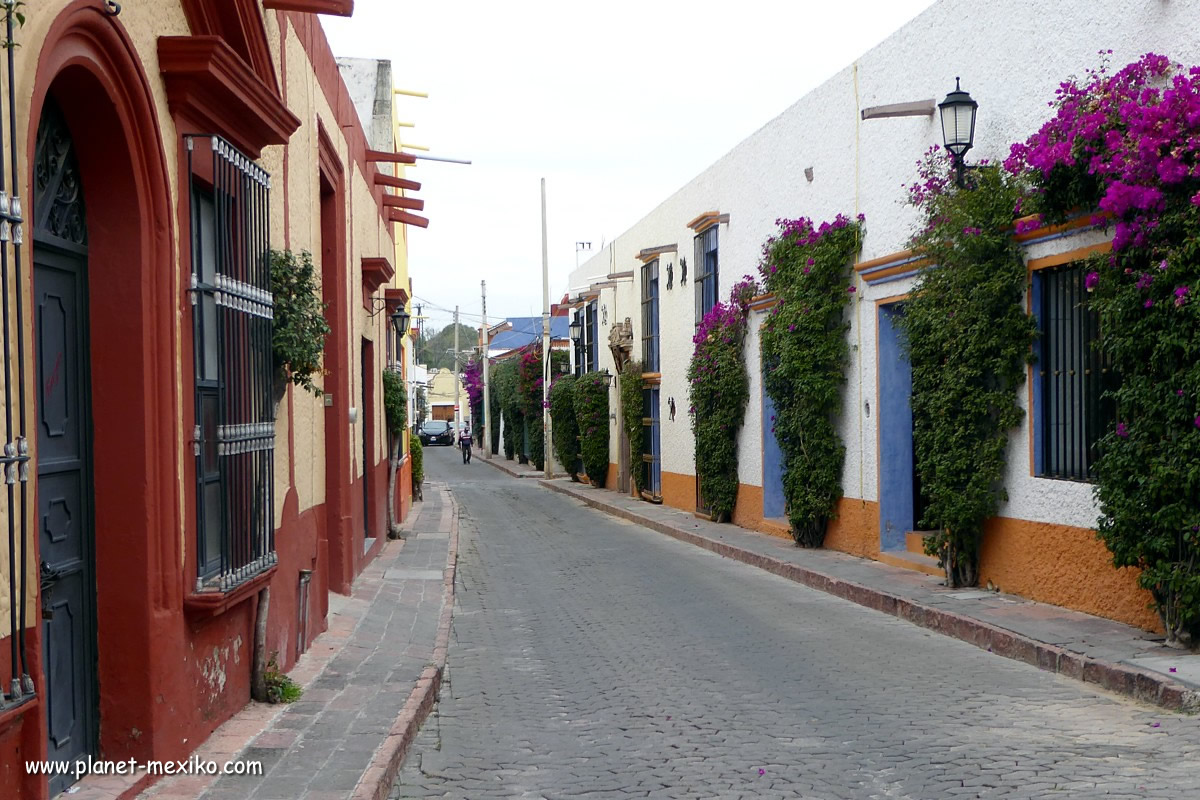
point(487, 405)
point(457, 418)
point(420, 331)
point(545, 343)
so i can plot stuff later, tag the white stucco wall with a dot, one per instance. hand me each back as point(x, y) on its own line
point(1011, 55)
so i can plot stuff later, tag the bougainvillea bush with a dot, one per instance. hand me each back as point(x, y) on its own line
point(1128, 143)
point(719, 389)
point(529, 388)
point(804, 352)
point(564, 428)
point(591, 414)
point(631, 416)
point(968, 339)
point(472, 381)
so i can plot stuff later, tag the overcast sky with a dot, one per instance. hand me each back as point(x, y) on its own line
point(617, 105)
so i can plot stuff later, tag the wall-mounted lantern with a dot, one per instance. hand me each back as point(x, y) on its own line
point(958, 126)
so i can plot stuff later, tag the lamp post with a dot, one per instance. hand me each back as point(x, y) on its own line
point(576, 329)
point(958, 126)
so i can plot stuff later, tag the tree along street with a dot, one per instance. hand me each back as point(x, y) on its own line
point(592, 657)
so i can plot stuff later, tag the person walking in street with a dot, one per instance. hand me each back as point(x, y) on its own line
point(464, 441)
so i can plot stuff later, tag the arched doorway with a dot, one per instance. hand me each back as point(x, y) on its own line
point(62, 389)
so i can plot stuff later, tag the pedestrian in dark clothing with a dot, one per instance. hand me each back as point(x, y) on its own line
point(464, 441)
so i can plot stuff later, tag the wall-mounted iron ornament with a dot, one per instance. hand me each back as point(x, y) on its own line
point(670, 274)
point(683, 272)
point(671, 406)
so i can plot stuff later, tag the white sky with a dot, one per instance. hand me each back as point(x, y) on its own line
point(617, 105)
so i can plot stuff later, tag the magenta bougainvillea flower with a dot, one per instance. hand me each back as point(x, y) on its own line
point(1091, 280)
point(1122, 430)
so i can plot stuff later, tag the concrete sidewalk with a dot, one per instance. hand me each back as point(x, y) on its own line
point(1114, 656)
point(369, 681)
point(511, 467)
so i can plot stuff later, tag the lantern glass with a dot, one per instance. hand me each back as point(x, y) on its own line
point(400, 319)
point(958, 121)
point(576, 329)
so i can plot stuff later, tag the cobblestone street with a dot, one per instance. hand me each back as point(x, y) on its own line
point(593, 658)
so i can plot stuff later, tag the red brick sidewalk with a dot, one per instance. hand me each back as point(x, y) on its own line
point(369, 681)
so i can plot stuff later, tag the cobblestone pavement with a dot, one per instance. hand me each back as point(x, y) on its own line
point(592, 658)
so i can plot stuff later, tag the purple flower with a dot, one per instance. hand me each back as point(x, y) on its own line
point(1145, 281)
point(1181, 292)
point(1179, 392)
point(1197, 421)
point(1091, 280)
point(851, 289)
point(1196, 199)
point(1162, 265)
point(972, 231)
point(1122, 430)
point(762, 771)
point(1148, 304)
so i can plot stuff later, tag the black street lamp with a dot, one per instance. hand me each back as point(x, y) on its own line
point(576, 329)
point(958, 126)
point(400, 319)
point(608, 376)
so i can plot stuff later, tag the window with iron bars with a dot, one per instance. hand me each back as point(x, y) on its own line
point(650, 316)
point(705, 278)
point(1074, 375)
point(232, 325)
point(591, 331)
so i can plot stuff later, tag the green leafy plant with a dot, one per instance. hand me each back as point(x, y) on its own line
point(720, 387)
point(968, 339)
point(395, 402)
point(631, 415)
point(565, 426)
point(280, 688)
point(1128, 143)
point(591, 414)
point(504, 388)
point(300, 328)
point(805, 355)
point(529, 391)
point(417, 453)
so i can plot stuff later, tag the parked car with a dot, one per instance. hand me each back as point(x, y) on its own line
point(437, 432)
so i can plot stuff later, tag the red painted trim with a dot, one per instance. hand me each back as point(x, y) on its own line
point(396, 215)
point(339, 8)
point(240, 23)
point(399, 201)
point(95, 72)
point(390, 158)
point(383, 179)
point(214, 603)
point(395, 298)
point(207, 82)
point(376, 272)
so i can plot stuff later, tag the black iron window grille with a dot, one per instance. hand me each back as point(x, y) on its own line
point(651, 442)
point(650, 316)
point(1074, 375)
point(232, 316)
point(14, 461)
point(705, 279)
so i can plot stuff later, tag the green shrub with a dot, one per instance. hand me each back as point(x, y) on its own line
point(591, 414)
point(504, 388)
point(565, 428)
point(395, 402)
point(299, 329)
point(280, 687)
point(805, 356)
point(632, 409)
point(968, 339)
point(719, 390)
point(416, 453)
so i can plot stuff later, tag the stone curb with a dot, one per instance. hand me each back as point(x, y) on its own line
point(376, 782)
point(1142, 685)
point(499, 463)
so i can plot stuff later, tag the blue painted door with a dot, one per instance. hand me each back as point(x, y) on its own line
point(896, 474)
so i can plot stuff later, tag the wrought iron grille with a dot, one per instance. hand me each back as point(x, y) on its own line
point(650, 316)
point(232, 316)
point(14, 462)
point(1074, 374)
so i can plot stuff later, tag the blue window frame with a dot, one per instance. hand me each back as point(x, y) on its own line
point(650, 316)
point(652, 441)
point(706, 277)
point(593, 342)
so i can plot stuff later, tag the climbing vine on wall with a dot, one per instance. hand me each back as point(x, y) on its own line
point(1128, 143)
point(529, 389)
point(631, 416)
point(591, 414)
point(565, 428)
point(504, 389)
point(805, 355)
point(719, 388)
point(968, 338)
